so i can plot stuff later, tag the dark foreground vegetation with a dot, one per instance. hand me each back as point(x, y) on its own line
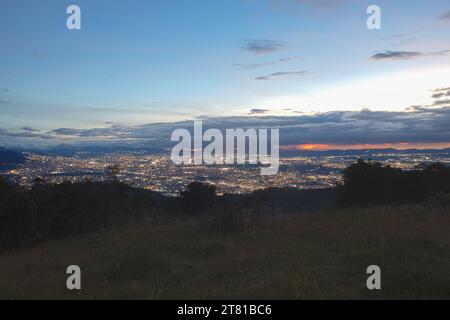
point(275, 243)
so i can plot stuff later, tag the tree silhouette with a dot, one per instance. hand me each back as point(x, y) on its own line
point(4, 187)
point(38, 181)
point(197, 197)
point(369, 182)
point(112, 171)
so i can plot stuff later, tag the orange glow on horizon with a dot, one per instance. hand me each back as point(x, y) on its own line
point(398, 146)
point(312, 147)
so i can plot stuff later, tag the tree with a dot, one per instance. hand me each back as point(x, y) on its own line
point(4, 187)
point(370, 182)
point(112, 171)
point(197, 197)
point(38, 181)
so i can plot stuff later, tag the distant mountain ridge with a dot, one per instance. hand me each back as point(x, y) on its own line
point(97, 149)
point(70, 150)
point(9, 157)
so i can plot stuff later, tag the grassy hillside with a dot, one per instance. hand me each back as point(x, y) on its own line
point(316, 255)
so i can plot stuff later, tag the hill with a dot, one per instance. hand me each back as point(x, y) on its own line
point(9, 158)
point(274, 243)
point(315, 256)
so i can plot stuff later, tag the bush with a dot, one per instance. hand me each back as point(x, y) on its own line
point(47, 212)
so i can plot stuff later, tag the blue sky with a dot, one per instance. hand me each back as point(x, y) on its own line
point(139, 61)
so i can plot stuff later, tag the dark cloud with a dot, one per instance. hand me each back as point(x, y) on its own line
point(441, 94)
point(4, 101)
point(113, 131)
point(260, 46)
point(70, 132)
point(401, 55)
point(441, 102)
point(438, 95)
point(406, 55)
point(419, 124)
point(281, 74)
point(258, 111)
point(29, 129)
point(26, 132)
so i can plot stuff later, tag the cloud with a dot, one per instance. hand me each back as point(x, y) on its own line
point(29, 129)
point(400, 55)
point(258, 111)
point(445, 16)
point(26, 132)
point(441, 94)
point(112, 131)
point(4, 101)
point(266, 64)
point(419, 124)
point(406, 55)
point(441, 89)
point(441, 102)
point(260, 46)
point(338, 127)
point(252, 65)
point(281, 74)
point(438, 94)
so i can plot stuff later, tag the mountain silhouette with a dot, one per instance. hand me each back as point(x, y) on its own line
point(10, 158)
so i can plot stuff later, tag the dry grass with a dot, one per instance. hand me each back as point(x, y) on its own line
point(317, 256)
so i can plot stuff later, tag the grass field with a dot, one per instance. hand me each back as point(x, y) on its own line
point(305, 256)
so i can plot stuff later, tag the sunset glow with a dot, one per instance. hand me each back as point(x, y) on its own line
point(398, 146)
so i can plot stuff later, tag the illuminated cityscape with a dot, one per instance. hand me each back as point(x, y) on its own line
point(158, 173)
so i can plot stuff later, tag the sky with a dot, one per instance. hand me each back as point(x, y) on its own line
point(310, 67)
